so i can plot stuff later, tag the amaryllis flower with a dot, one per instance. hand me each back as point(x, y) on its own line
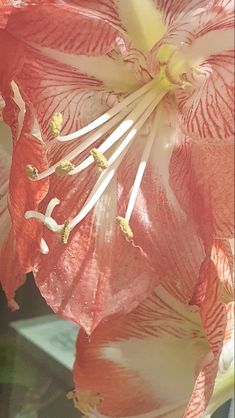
point(156, 362)
point(138, 95)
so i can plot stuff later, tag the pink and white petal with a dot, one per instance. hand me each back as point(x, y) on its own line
point(25, 194)
point(11, 61)
point(124, 358)
point(160, 226)
point(172, 9)
point(98, 273)
point(223, 257)
point(85, 30)
point(12, 276)
point(207, 111)
point(201, 175)
point(215, 322)
point(54, 87)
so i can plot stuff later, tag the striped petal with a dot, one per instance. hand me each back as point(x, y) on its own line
point(161, 226)
point(130, 361)
point(11, 275)
point(204, 192)
point(18, 251)
point(53, 86)
point(98, 273)
point(87, 30)
point(25, 194)
point(217, 320)
point(207, 112)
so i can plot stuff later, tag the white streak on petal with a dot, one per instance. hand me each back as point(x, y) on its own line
point(214, 42)
point(114, 74)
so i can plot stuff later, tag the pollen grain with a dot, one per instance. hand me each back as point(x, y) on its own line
point(125, 227)
point(99, 159)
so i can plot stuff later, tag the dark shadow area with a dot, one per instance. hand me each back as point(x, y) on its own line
point(32, 384)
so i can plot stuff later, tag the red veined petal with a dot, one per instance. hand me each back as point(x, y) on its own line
point(201, 176)
point(223, 257)
point(11, 275)
point(98, 273)
point(75, 28)
point(53, 87)
point(130, 360)
point(11, 61)
point(218, 323)
point(208, 112)
point(161, 228)
point(25, 194)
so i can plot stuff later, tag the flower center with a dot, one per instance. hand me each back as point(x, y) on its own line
point(125, 120)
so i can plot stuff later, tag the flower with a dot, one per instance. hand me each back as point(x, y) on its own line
point(156, 361)
point(148, 104)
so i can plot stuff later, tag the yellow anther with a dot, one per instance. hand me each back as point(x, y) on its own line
point(31, 172)
point(63, 168)
point(56, 123)
point(125, 228)
point(65, 233)
point(99, 159)
point(85, 400)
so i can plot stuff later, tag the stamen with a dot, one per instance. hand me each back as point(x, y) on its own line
point(51, 206)
point(46, 219)
point(125, 227)
point(119, 131)
point(31, 172)
point(99, 159)
point(114, 161)
point(65, 233)
point(88, 142)
point(64, 167)
point(108, 115)
point(141, 168)
point(50, 223)
point(56, 124)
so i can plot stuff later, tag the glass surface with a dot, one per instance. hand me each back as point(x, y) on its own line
point(36, 359)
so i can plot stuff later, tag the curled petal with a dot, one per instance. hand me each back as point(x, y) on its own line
point(134, 351)
point(25, 194)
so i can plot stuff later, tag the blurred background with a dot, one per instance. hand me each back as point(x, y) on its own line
point(36, 358)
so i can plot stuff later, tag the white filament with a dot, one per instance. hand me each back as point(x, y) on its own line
point(119, 131)
point(108, 115)
point(108, 174)
point(141, 169)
